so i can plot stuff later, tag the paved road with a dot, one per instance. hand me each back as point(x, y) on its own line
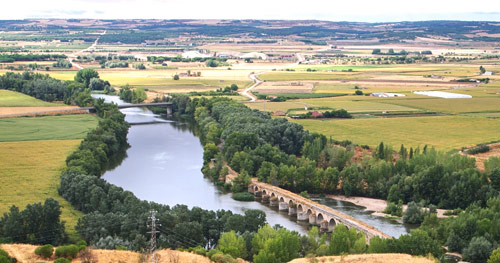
point(255, 78)
point(75, 55)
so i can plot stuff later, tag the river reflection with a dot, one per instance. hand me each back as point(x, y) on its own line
point(163, 164)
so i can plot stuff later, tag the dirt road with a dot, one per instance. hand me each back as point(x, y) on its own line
point(76, 54)
point(255, 78)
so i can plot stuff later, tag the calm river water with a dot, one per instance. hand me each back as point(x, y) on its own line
point(164, 165)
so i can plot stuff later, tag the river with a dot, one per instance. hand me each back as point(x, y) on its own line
point(164, 165)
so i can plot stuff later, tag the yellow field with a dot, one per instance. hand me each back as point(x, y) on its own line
point(291, 76)
point(444, 132)
point(162, 79)
point(24, 180)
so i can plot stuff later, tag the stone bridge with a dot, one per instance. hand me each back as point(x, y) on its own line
point(167, 105)
point(306, 210)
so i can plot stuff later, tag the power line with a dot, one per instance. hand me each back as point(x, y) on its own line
point(152, 248)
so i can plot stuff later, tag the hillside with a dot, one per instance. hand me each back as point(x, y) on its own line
point(25, 253)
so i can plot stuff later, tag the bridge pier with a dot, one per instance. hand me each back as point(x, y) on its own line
point(258, 195)
point(312, 219)
point(302, 216)
point(283, 206)
point(292, 211)
point(265, 198)
point(273, 201)
point(323, 226)
point(251, 189)
point(169, 110)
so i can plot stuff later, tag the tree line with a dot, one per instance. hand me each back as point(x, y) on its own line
point(282, 154)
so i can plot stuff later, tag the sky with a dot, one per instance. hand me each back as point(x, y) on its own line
point(331, 10)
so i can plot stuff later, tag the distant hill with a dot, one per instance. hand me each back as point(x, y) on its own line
point(311, 31)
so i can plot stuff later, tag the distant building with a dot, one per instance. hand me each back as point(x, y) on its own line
point(488, 73)
point(316, 114)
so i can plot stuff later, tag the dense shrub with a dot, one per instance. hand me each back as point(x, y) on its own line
point(69, 251)
point(244, 196)
point(45, 251)
point(62, 260)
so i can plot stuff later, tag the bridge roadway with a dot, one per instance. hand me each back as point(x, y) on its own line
point(306, 210)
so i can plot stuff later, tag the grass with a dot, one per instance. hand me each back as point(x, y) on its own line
point(15, 99)
point(30, 173)
point(443, 132)
point(65, 127)
point(490, 104)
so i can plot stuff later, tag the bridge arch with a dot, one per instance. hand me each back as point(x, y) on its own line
point(320, 218)
point(273, 195)
point(264, 192)
point(282, 199)
point(309, 211)
point(300, 209)
point(256, 189)
point(331, 224)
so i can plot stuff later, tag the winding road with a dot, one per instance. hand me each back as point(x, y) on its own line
point(255, 78)
point(75, 55)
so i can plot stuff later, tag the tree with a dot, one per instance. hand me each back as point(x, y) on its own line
point(85, 75)
point(233, 245)
point(358, 92)
point(482, 69)
point(98, 84)
point(211, 63)
point(494, 176)
point(176, 77)
point(479, 250)
point(413, 214)
point(495, 256)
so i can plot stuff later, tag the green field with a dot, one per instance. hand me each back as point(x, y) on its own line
point(30, 173)
point(452, 105)
point(444, 132)
point(15, 99)
point(353, 104)
point(65, 127)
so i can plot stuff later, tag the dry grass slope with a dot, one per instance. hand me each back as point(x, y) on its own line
point(26, 254)
point(368, 258)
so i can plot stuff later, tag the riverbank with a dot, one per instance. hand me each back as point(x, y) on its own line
point(377, 206)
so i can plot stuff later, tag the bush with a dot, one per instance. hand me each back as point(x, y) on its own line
point(4, 253)
point(62, 260)
point(358, 92)
point(244, 196)
point(45, 251)
point(482, 148)
point(394, 209)
point(223, 258)
point(4, 259)
point(176, 77)
point(413, 214)
point(69, 251)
